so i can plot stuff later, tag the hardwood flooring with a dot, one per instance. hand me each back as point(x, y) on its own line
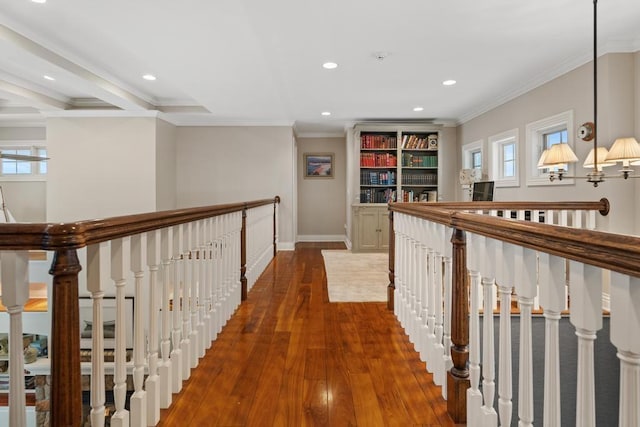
point(289, 358)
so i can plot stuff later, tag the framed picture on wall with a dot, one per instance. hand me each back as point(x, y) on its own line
point(318, 165)
point(108, 322)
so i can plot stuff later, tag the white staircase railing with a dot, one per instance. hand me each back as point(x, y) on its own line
point(185, 272)
point(559, 269)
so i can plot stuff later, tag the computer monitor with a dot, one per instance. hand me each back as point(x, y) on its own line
point(483, 191)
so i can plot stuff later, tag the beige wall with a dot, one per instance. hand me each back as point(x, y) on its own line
point(25, 199)
point(322, 201)
point(100, 167)
point(448, 167)
point(230, 164)
point(166, 191)
point(572, 91)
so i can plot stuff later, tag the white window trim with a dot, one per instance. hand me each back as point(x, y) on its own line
point(495, 142)
point(22, 144)
point(469, 148)
point(535, 138)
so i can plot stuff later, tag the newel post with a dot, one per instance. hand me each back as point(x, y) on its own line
point(458, 377)
point(66, 401)
point(243, 256)
point(392, 249)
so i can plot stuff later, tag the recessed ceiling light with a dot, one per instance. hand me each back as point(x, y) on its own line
point(449, 82)
point(326, 113)
point(48, 78)
point(149, 77)
point(39, 1)
point(330, 65)
point(418, 108)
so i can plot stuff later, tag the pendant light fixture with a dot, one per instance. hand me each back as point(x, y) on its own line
point(624, 150)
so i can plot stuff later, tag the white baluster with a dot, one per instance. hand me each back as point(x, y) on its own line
point(192, 261)
point(212, 279)
point(552, 281)
point(511, 263)
point(526, 287)
point(439, 376)
point(206, 261)
point(414, 284)
point(185, 266)
point(138, 401)
point(164, 367)
point(591, 220)
point(625, 324)
point(176, 307)
point(490, 417)
point(121, 417)
point(423, 266)
point(219, 275)
point(15, 294)
point(152, 383)
point(474, 397)
point(416, 308)
point(586, 316)
point(237, 264)
point(397, 267)
point(447, 362)
point(577, 219)
point(202, 334)
point(94, 285)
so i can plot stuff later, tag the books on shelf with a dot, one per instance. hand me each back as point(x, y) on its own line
point(419, 179)
point(368, 177)
point(377, 141)
point(377, 195)
point(419, 160)
point(420, 142)
point(378, 159)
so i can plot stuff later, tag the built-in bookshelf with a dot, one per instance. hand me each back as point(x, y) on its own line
point(378, 167)
point(398, 165)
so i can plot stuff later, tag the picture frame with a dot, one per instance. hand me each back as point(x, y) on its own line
point(318, 165)
point(109, 318)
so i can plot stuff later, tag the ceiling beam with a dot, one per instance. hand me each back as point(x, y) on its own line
point(23, 95)
point(96, 85)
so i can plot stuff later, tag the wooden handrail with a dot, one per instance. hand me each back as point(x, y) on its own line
point(601, 205)
point(616, 252)
point(74, 235)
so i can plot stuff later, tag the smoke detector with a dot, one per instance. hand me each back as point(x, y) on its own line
point(380, 56)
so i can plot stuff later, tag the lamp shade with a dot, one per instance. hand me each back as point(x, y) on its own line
point(602, 155)
point(542, 159)
point(559, 154)
point(624, 150)
point(469, 176)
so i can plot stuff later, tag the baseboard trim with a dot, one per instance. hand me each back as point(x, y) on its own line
point(322, 238)
point(286, 246)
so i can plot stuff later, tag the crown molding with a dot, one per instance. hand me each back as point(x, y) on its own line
point(199, 119)
point(100, 113)
point(320, 135)
point(629, 46)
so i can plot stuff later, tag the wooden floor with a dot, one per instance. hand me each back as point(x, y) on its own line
point(288, 357)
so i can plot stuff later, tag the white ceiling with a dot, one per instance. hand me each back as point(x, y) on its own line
point(249, 62)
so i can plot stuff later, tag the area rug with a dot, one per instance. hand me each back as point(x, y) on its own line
point(356, 277)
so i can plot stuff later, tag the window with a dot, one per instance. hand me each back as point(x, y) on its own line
point(508, 160)
point(472, 155)
point(476, 159)
point(22, 169)
point(504, 159)
point(541, 135)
